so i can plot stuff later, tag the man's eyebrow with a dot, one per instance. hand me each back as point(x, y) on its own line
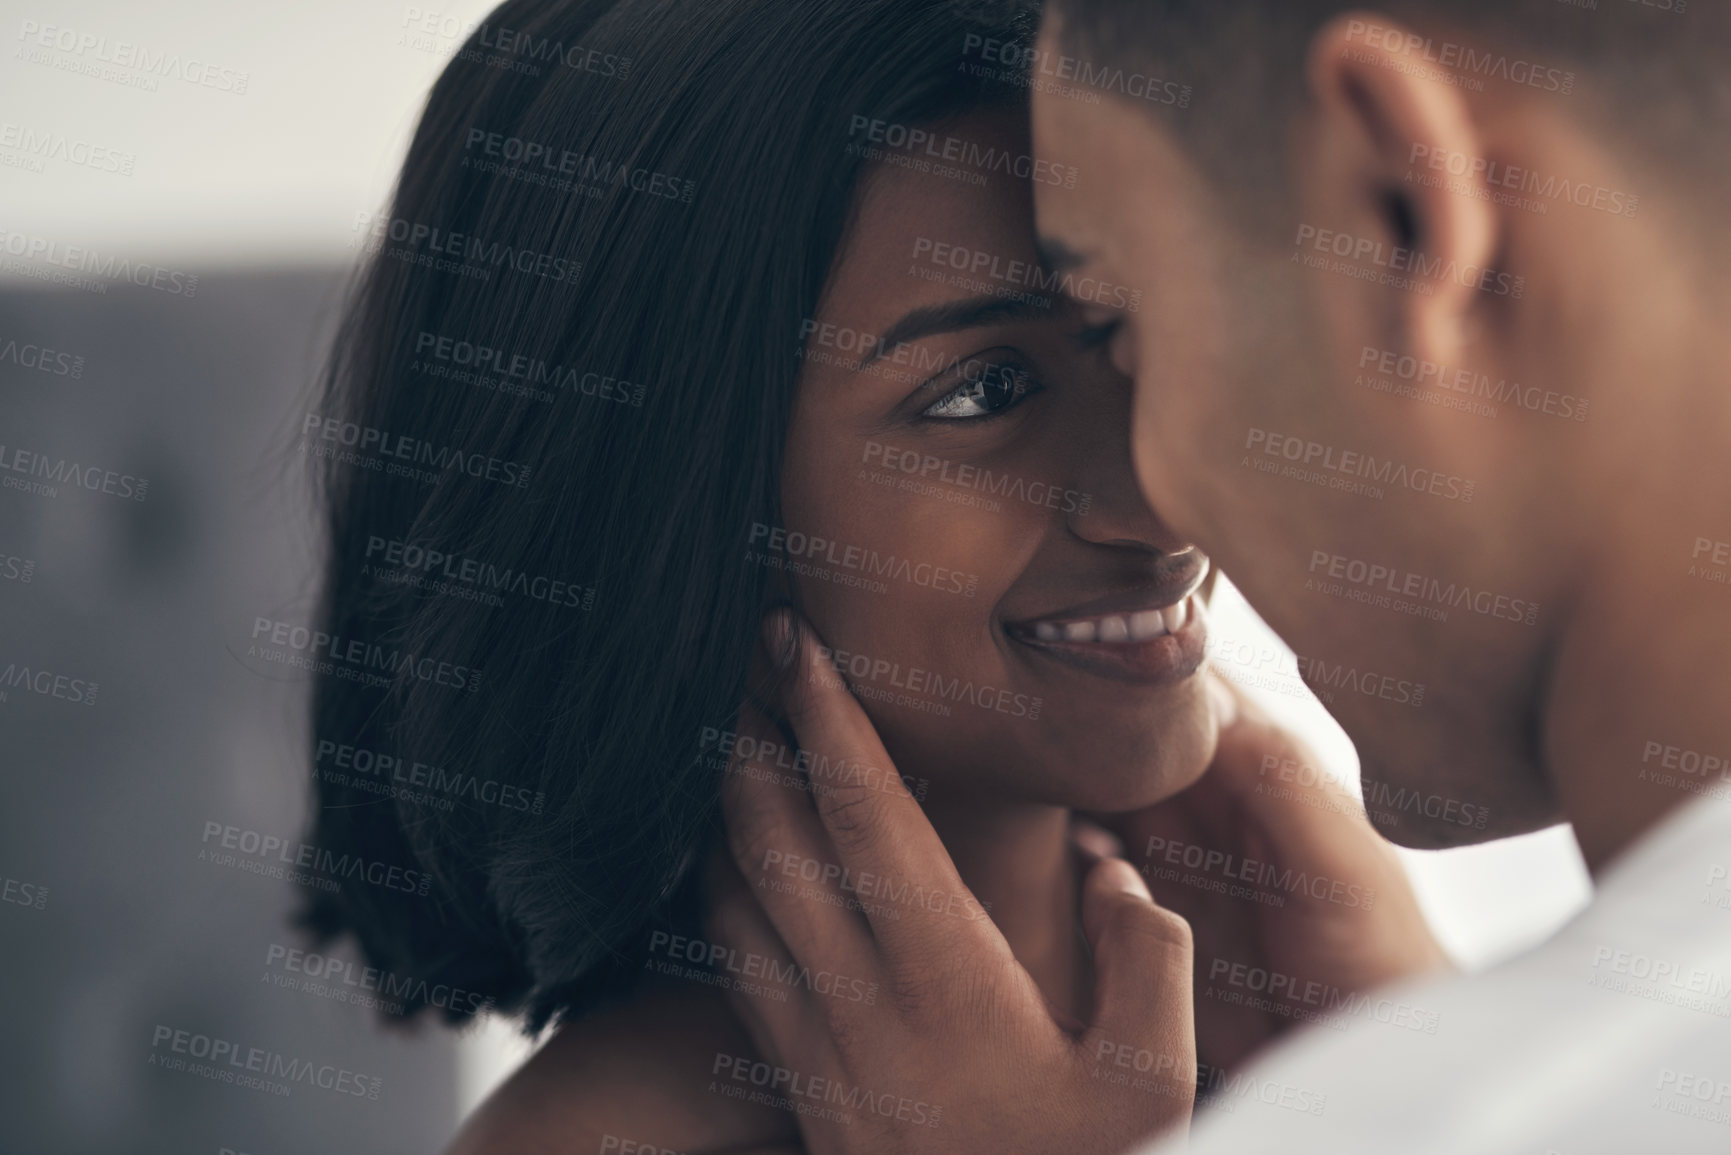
point(954, 316)
point(1056, 256)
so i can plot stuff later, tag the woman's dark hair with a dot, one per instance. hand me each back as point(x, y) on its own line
point(541, 480)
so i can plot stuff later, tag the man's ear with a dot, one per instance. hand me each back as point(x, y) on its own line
point(1382, 116)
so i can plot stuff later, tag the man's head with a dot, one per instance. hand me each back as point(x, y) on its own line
point(1426, 326)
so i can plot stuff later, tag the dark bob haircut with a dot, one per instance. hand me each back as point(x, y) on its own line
point(556, 405)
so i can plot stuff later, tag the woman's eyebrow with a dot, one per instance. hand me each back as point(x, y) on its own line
point(1056, 256)
point(953, 316)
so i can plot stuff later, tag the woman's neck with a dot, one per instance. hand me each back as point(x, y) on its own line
point(1019, 863)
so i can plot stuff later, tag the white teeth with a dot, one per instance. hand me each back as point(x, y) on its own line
point(1177, 615)
point(1147, 624)
point(1118, 628)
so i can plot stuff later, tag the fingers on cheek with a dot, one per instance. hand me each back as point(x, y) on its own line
point(763, 814)
point(758, 972)
point(751, 830)
point(1112, 884)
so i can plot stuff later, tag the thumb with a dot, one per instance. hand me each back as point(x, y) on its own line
point(1286, 792)
point(1142, 974)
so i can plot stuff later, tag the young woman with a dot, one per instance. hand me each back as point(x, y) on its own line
point(685, 310)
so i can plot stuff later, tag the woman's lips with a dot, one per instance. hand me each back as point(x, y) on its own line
point(1151, 646)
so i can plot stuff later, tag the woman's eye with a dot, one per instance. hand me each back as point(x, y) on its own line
point(986, 393)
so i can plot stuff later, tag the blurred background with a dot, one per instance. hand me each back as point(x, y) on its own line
point(208, 166)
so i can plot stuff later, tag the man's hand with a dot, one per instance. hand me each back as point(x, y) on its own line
point(840, 876)
point(1296, 902)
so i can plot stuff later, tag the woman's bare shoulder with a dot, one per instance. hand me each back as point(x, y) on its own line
point(637, 1080)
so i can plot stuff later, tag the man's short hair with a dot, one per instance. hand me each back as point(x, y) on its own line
point(1654, 73)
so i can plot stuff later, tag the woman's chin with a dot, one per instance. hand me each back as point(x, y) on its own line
point(1136, 778)
point(1121, 794)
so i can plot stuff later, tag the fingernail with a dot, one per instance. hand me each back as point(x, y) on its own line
point(1096, 840)
point(779, 639)
point(1120, 875)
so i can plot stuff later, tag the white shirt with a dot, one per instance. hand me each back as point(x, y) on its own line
point(1613, 1038)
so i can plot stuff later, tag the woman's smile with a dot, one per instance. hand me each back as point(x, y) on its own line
point(1153, 635)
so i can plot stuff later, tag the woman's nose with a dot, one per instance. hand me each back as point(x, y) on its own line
point(1109, 508)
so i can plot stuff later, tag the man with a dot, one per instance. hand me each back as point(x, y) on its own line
point(1469, 254)
point(1430, 358)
